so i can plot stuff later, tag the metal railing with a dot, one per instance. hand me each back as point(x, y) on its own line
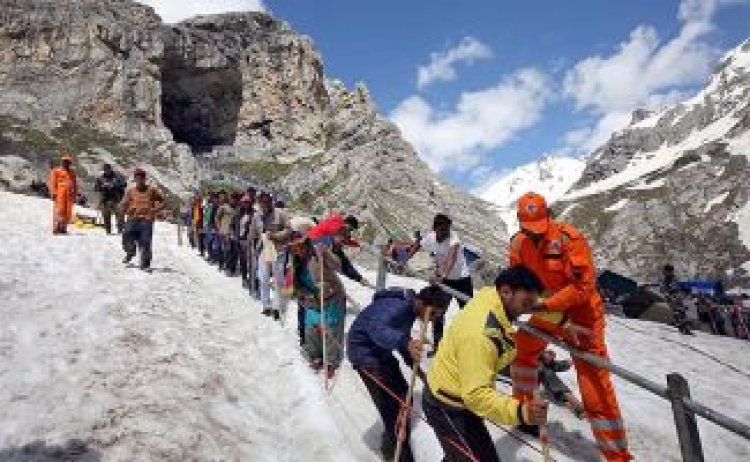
point(677, 391)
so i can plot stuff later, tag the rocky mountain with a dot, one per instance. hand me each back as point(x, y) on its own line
point(551, 176)
point(224, 99)
point(672, 186)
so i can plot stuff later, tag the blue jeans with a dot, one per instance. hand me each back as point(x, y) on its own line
point(138, 233)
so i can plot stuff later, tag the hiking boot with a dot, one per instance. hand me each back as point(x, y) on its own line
point(276, 315)
point(531, 430)
point(128, 257)
point(266, 311)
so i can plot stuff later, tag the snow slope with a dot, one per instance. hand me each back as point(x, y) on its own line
point(179, 365)
point(647, 348)
point(551, 176)
point(174, 365)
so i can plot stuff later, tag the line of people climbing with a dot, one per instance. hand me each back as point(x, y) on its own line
point(550, 276)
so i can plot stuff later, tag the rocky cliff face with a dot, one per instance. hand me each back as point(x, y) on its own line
point(226, 99)
point(89, 62)
point(672, 187)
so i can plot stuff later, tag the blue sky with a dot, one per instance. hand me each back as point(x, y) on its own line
point(504, 82)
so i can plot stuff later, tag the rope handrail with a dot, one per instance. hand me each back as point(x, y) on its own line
point(728, 423)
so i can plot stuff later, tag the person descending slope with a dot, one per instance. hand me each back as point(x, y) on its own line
point(572, 310)
point(460, 389)
point(111, 187)
point(382, 327)
point(142, 204)
point(63, 187)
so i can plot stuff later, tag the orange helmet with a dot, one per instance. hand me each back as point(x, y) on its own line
point(533, 214)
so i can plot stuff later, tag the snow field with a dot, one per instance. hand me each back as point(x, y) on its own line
point(174, 365)
point(180, 364)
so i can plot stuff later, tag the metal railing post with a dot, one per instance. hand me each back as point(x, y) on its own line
point(382, 271)
point(684, 419)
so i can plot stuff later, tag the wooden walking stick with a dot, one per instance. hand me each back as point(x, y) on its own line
point(319, 253)
point(404, 415)
point(543, 433)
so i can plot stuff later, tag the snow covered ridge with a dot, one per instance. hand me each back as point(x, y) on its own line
point(551, 176)
point(683, 172)
point(180, 365)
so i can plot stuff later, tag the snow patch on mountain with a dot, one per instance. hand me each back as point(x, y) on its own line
point(551, 176)
point(645, 162)
point(617, 205)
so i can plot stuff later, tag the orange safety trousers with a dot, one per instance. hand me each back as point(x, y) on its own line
point(597, 393)
point(62, 213)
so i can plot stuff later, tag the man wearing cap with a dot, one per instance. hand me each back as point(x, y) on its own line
point(64, 188)
point(571, 310)
point(111, 187)
point(142, 203)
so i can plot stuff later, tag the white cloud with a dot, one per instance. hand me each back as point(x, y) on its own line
point(172, 11)
point(644, 72)
point(442, 65)
point(481, 121)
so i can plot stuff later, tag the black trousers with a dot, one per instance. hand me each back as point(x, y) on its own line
point(242, 259)
point(459, 431)
point(462, 285)
point(389, 373)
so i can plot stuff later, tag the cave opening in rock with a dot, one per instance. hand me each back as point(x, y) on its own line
point(201, 106)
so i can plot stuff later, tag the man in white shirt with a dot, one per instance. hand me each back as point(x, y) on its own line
point(451, 268)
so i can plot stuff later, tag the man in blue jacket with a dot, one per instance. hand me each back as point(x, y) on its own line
point(382, 327)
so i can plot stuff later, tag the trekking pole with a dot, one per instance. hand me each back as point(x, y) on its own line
point(543, 433)
point(323, 336)
point(404, 414)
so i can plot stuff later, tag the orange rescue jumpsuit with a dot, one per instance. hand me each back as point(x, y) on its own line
point(562, 260)
point(63, 187)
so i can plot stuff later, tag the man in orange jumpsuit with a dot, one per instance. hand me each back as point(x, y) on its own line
point(572, 310)
point(64, 189)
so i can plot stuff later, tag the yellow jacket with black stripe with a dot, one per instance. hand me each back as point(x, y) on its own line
point(476, 346)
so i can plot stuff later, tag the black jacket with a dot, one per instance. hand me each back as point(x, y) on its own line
point(110, 187)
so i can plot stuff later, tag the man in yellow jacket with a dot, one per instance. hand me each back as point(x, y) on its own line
point(461, 383)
